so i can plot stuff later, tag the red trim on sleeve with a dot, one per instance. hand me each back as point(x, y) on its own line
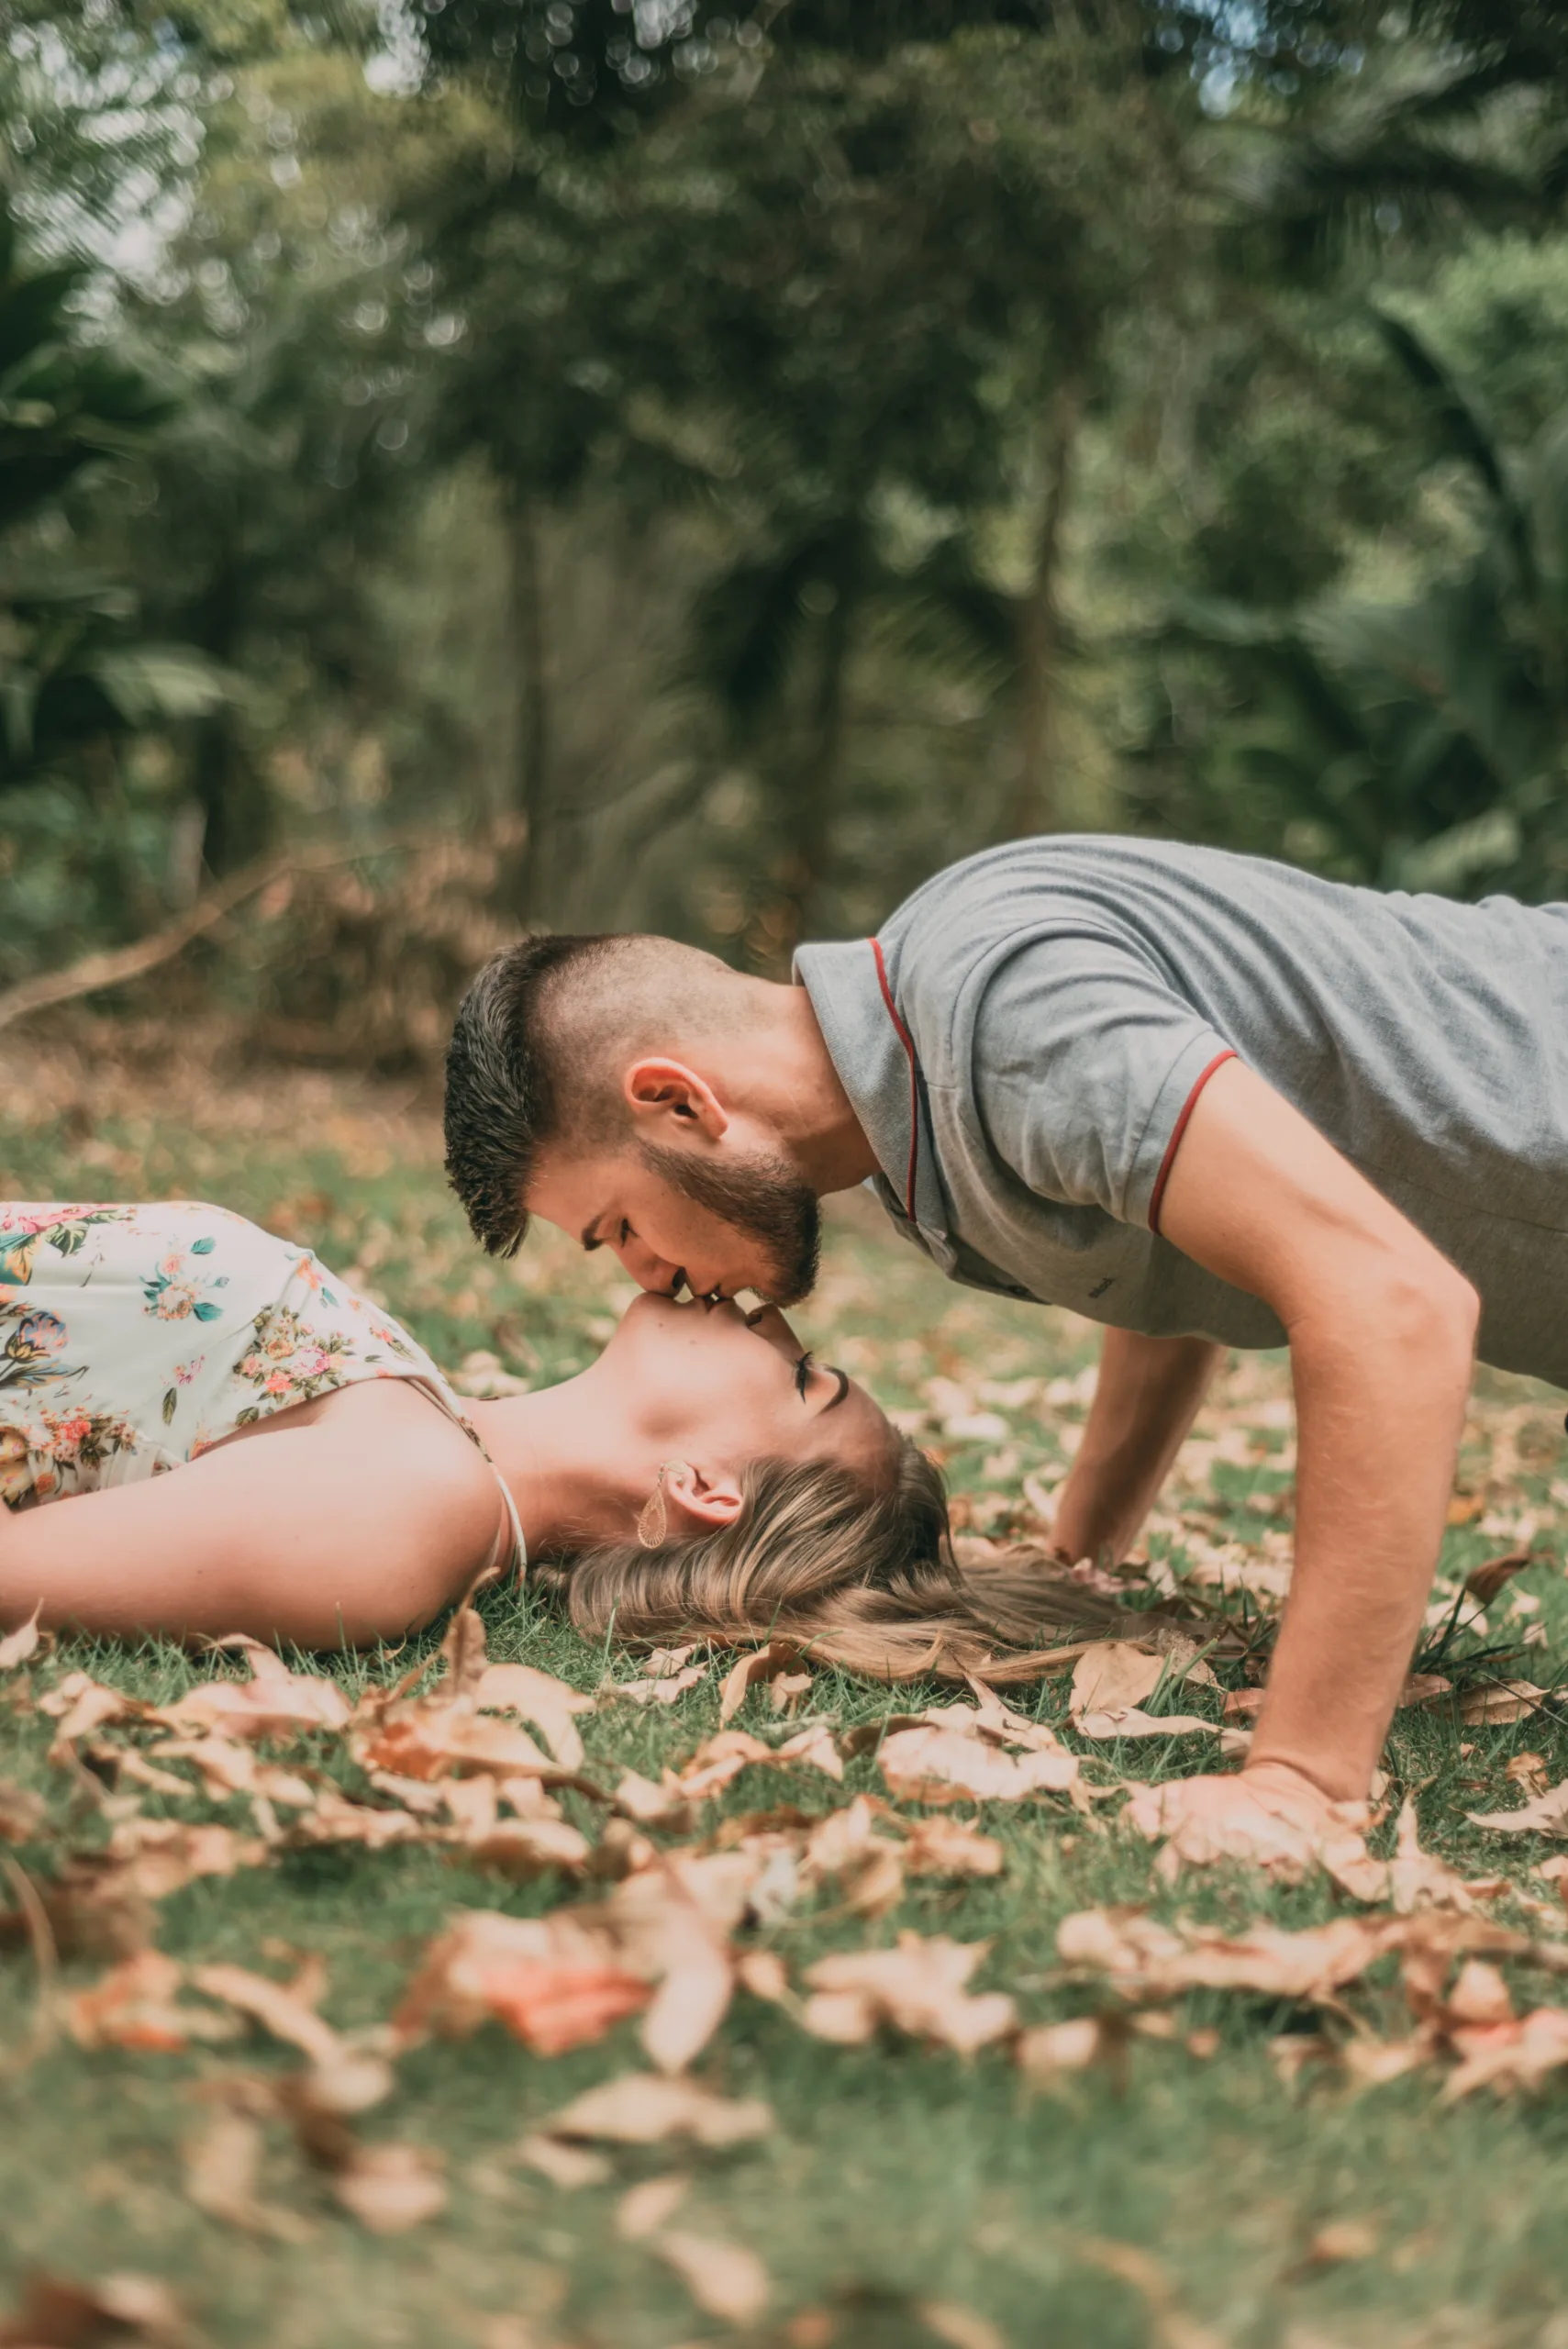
point(909, 1043)
point(1181, 1126)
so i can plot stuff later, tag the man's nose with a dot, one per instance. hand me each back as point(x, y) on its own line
point(649, 1271)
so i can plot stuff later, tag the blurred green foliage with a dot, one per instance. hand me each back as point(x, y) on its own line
point(740, 459)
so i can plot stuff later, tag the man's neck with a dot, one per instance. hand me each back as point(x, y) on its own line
point(778, 1069)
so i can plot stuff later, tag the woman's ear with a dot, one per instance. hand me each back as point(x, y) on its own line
point(661, 1091)
point(699, 1503)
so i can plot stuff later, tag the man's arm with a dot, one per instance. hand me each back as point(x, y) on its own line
point(1382, 1332)
point(1148, 1392)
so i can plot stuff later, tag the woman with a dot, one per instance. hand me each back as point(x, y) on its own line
point(705, 1476)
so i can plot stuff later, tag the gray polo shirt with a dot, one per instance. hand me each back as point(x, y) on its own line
point(1025, 1038)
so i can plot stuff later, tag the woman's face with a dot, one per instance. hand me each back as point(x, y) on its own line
point(727, 1387)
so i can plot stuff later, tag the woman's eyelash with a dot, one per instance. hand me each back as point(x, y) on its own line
point(802, 1373)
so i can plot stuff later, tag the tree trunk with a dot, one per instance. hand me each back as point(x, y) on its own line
point(812, 843)
point(237, 809)
point(532, 796)
point(1031, 803)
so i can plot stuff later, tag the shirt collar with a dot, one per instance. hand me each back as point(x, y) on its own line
point(876, 1068)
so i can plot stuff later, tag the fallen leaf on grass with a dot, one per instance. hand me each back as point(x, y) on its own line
point(725, 2279)
point(644, 2209)
point(391, 2187)
point(960, 2326)
point(1418, 1879)
point(1528, 1772)
point(157, 1856)
point(549, 1703)
point(1110, 1681)
point(646, 2107)
point(81, 1705)
point(60, 2314)
point(1484, 1582)
point(228, 1768)
point(523, 1849)
point(136, 2004)
point(277, 2007)
point(761, 1664)
point(1144, 1960)
point(933, 1764)
point(1343, 2240)
point(24, 1641)
point(568, 2167)
point(274, 1701)
point(812, 1748)
point(1050, 2049)
point(22, 1812)
point(1546, 1815)
point(918, 1988)
point(1504, 1701)
point(554, 1984)
point(222, 2167)
point(950, 1847)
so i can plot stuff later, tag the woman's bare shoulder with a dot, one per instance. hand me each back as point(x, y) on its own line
point(415, 1466)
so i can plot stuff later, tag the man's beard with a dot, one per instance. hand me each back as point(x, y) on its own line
point(762, 1198)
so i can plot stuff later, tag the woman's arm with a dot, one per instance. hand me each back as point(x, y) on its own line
point(321, 1535)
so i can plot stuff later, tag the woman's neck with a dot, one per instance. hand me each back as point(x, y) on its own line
point(549, 1450)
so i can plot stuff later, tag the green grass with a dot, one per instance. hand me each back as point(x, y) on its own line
point(895, 2173)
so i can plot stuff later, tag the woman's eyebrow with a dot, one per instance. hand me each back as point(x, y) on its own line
point(844, 1378)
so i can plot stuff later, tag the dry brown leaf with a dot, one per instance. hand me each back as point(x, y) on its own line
point(1484, 1582)
point(568, 2167)
point(725, 2279)
point(21, 1643)
point(136, 2004)
point(1131, 1722)
point(1144, 1960)
point(81, 1705)
point(274, 1701)
point(933, 1764)
point(667, 1805)
point(718, 1761)
point(334, 1819)
point(918, 1987)
point(645, 2108)
point(222, 2165)
point(22, 1812)
point(59, 2314)
point(1509, 2055)
point(1343, 2238)
point(1417, 1880)
point(641, 2211)
point(961, 2328)
point(522, 1849)
point(1112, 1675)
point(1546, 1815)
point(1529, 1773)
point(765, 1974)
point(1505, 1700)
point(1425, 1689)
point(157, 1856)
point(761, 1664)
point(1050, 2049)
point(554, 1983)
point(391, 2188)
point(226, 1767)
point(813, 1748)
point(661, 1691)
point(549, 1703)
point(278, 2009)
point(943, 1846)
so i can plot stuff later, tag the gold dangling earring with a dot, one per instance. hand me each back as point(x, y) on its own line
point(653, 1524)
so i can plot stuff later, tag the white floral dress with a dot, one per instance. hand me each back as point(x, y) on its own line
point(132, 1338)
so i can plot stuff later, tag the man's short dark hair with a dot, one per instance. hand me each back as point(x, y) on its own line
point(504, 1101)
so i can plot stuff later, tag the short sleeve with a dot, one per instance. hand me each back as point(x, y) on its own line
point(1085, 1065)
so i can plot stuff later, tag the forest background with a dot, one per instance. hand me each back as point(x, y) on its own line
point(609, 462)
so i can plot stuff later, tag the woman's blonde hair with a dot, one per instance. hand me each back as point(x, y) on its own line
point(859, 1574)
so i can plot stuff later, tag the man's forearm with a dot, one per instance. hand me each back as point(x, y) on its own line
point(1379, 1412)
point(1147, 1392)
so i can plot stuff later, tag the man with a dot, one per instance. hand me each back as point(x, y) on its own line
point(1207, 1101)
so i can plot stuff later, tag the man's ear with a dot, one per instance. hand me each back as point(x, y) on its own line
point(698, 1502)
point(667, 1091)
